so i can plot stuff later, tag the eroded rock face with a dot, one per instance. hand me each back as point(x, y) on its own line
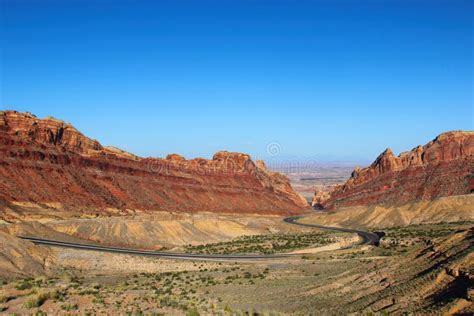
point(175, 157)
point(48, 131)
point(319, 198)
point(47, 161)
point(443, 167)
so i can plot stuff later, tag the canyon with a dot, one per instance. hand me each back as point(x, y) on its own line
point(57, 184)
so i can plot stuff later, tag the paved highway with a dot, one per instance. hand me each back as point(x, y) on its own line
point(161, 254)
point(366, 238)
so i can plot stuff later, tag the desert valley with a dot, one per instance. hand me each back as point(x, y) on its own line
point(231, 158)
point(58, 185)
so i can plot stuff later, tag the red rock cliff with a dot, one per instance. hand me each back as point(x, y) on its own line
point(443, 167)
point(49, 161)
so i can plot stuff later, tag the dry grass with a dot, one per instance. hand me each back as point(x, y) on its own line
point(41, 296)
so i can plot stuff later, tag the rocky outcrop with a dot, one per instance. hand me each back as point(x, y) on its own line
point(319, 198)
point(47, 161)
point(48, 131)
point(175, 157)
point(443, 167)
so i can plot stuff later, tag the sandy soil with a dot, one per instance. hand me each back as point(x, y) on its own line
point(446, 209)
point(168, 229)
point(343, 243)
point(430, 277)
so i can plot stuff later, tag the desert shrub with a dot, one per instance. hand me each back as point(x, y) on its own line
point(41, 280)
point(193, 312)
point(168, 302)
point(69, 277)
point(69, 307)
point(38, 299)
point(96, 286)
point(24, 285)
point(98, 300)
point(4, 298)
point(88, 292)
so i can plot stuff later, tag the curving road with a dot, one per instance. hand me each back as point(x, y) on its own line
point(161, 254)
point(366, 238)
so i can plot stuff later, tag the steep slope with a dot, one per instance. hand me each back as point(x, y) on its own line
point(443, 167)
point(435, 279)
point(49, 163)
point(20, 258)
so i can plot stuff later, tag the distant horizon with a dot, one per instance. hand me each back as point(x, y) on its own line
point(273, 157)
point(276, 157)
point(319, 80)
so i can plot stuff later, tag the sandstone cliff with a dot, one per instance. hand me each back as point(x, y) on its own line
point(49, 162)
point(319, 198)
point(443, 167)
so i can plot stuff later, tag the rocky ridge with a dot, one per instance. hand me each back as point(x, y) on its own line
point(49, 162)
point(443, 167)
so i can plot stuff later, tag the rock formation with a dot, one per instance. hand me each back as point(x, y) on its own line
point(47, 161)
point(319, 198)
point(443, 167)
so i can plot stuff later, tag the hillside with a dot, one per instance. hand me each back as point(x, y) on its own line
point(443, 167)
point(48, 164)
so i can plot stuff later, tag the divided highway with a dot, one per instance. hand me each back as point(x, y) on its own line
point(366, 238)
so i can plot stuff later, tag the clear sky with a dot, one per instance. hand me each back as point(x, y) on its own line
point(331, 80)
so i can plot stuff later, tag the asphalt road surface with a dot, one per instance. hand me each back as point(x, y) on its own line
point(366, 238)
point(161, 254)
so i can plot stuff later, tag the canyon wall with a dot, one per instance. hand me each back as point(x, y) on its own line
point(443, 167)
point(50, 163)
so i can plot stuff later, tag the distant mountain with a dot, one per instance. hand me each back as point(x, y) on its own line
point(49, 163)
point(443, 167)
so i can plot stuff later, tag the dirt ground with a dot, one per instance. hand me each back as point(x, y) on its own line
point(418, 268)
point(421, 266)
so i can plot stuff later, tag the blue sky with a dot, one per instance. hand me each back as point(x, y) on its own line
point(329, 80)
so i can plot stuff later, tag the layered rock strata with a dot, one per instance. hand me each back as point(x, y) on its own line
point(49, 162)
point(443, 167)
